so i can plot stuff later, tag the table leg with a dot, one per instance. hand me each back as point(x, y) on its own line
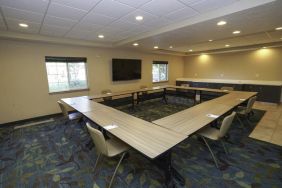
point(132, 94)
point(138, 98)
point(164, 98)
point(164, 163)
point(200, 94)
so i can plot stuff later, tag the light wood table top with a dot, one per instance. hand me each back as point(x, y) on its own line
point(191, 120)
point(153, 139)
point(149, 139)
point(234, 98)
point(196, 88)
point(128, 92)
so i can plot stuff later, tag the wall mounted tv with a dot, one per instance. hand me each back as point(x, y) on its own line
point(126, 69)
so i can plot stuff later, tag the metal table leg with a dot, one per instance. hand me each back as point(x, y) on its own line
point(132, 94)
point(164, 98)
point(171, 174)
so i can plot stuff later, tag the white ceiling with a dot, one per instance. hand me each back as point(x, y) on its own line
point(184, 24)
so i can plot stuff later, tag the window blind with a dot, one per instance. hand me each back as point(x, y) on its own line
point(160, 62)
point(51, 59)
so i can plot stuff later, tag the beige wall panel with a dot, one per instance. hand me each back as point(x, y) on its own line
point(262, 64)
point(23, 80)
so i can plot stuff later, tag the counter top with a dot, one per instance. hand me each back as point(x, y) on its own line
point(254, 82)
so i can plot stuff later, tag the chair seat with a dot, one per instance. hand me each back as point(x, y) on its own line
point(209, 132)
point(75, 115)
point(116, 147)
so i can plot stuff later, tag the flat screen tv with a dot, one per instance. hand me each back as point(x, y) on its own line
point(126, 69)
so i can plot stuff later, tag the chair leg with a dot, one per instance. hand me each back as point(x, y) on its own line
point(248, 120)
point(213, 156)
point(241, 123)
point(97, 161)
point(112, 179)
point(224, 147)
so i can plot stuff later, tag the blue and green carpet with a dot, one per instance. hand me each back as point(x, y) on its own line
point(54, 154)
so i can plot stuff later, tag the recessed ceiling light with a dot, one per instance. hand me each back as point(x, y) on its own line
point(236, 32)
point(190, 50)
point(210, 40)
point(221, 23)
point(171, 47)
point(156, 47)
point(264, 47)
point(135, 44)
point(139, 18)
point(101, 36)
point(23, 25)
point(278, 28)
point(227, 45)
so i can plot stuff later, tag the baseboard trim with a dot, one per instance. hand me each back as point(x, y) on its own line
point(30, 119)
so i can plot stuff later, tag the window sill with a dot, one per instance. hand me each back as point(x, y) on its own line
point(160, 82)
point(68, 91)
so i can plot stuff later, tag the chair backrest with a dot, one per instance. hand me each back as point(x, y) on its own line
point(105, 91)
point(98, 139)
point(185, 85)
point(250, 104)
point(63, 108)
point(225, 125)
point(227, 88)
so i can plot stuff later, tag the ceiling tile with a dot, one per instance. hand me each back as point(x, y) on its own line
point(122, 25)
point(67, 12)
point(182, 14)
point(147, 17)
point(157, 23)
point(88, 27)
point(38, 6)
point(109, 31)
point(22, 15)
point(80, 4)
point(162, 7)
point(51, 30)
point(94, 18)
point(112, 8)
point(133, 3)
point(203, 6)
point(60, 22)
point(78, 34)
point(275, 34)
point(188, 2)
point(13, 25)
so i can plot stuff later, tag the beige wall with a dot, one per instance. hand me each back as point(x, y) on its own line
point(23, 79)
point(263, 64)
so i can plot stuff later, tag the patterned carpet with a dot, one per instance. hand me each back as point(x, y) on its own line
point(55, 155)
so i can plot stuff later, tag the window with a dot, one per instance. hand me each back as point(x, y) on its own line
point(160, 71)
point(66, 73)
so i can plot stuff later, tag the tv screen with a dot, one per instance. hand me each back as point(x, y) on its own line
point(126, 69)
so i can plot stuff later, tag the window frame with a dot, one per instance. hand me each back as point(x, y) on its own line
point(161, 63)
point(67, 60)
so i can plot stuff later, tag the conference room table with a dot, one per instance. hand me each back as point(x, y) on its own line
point(156, 139)
point(193, 119)
point(135, 94)
point(151, 140)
